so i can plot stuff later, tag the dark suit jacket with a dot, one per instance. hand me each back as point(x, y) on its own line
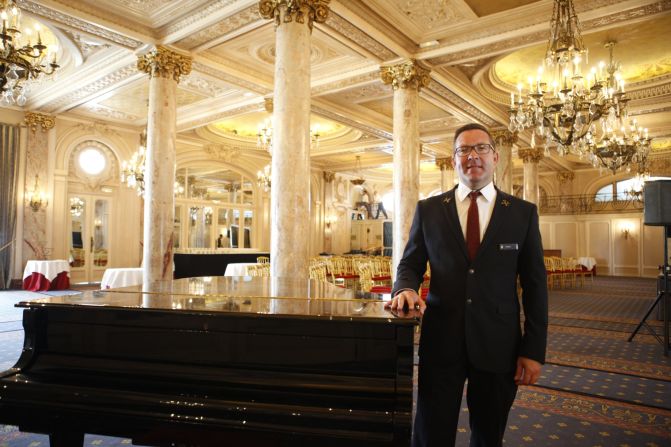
point(474, 306)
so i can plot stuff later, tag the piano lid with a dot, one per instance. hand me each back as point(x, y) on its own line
point(244, 294)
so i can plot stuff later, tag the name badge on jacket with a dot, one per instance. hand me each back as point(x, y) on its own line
point(511, 246)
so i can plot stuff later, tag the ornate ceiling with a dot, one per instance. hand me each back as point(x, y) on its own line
point(477, 50)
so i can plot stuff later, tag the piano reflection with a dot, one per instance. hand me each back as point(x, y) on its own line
point(213, 362)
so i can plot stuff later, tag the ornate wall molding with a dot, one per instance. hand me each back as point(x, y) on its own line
point(650, 92)
point(68, 21)
point(164, 63)
point(201, 85)
point(192, 19)
point(504, 137)
point(33, 119)
point(359, 36)
point(217, 30)
point(531, 155)
point(110, 174)
point(408, 74)
point(447, 94)
point(285, 11)
point(111, 113)
point(344, 83)
point(223, 152)
point(565, 177)
point(226, 77)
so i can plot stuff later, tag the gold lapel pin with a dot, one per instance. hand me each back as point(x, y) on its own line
point(505, 202)
point(447, 199)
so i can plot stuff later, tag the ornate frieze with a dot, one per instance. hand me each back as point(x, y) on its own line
point(565, 177)
point(217, 30)
point(504, 137)
point(360, 37)
point(444, 163)
point(33, 119)
point(285, 11)
point(531, 155)
point(409, 74)
point(223, 152)
point(226, 77)
point(164, 63)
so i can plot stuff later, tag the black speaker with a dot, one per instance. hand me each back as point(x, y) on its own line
point(657, 203)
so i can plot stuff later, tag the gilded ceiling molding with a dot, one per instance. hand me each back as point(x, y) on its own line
point(503, 45)
point(360, 37)
point(444, 163)
point(531, 155)
point(268, 104)
point(329, 176)
point(218, 29)
point(93, 87)
point(33, 119)
point(408, 74)
point(565, 177)
point(226, 77)
point(342, 119)
point(111, 113)
point(223, 152)
point(68, 21)
point(650, 92)
point(456, 100)
point(164, 63)
point(504, 137)
point(344, 83)
point(201, 85)
point(285, 11)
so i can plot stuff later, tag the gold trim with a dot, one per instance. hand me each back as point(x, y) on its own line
point(329, 176)
point(34, 119)
point(164, 63)
point(565, 176)
point(444, 163)
point(504, 137)
point(409, 74)
point(285, 11)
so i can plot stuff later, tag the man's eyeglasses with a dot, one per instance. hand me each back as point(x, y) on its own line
point(481, 149)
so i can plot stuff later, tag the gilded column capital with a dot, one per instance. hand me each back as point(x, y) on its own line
point(531, 155)
point(565, 176)
point(504, 137)
point(285, 11)
point(164, 63)
point(409, 74)
point(268, 104)
point(444, 163)
point(34, 119)
point(329, 176)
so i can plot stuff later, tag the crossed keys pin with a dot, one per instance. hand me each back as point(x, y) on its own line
point(505, 202)
point(447, 200)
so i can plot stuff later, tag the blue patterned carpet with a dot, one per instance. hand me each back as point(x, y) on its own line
point(596, 390)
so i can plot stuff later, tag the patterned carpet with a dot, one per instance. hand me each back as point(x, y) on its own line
point(596, 389)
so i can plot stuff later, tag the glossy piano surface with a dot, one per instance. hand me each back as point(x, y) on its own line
point(253, 361)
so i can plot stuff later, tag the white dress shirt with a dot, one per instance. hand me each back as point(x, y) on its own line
point(485, 202)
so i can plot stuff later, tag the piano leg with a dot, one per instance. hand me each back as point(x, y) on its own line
point(66, 439)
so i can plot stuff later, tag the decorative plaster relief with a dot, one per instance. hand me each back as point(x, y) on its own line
point(110, 113)
point(426, 14)
point(351, 123)
point(360, 37)
point(448, 95)
point(201, 85)
point(344, 83)
point(219, 29)
point(87, 45)
point(109, 174)
point(223, 152)
point(226, 77)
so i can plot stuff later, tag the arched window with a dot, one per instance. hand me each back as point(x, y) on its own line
point(620, 190)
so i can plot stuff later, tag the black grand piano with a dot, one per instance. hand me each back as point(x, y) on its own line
point(218, 361)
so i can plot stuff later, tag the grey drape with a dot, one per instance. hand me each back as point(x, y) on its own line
point(9, 165)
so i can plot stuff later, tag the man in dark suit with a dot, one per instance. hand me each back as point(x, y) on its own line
point(477, 240)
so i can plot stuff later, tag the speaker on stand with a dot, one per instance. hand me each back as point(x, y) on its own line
point(657, 212)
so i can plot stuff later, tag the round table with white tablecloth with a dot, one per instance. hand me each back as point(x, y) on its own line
point(238, 268)
point(46, 275)
point(121, 277)
point(588, 262)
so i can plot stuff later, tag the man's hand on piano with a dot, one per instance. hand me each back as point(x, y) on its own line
point(405, 301)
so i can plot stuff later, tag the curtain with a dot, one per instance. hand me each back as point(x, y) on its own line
point(9, 165)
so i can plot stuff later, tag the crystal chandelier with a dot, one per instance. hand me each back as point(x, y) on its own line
point(264, 136)
point(578, 113)
point(359, 180)
point(132, 171)
point(263, 178)
point(20, 60)
point(76, 206)
point(619, 147)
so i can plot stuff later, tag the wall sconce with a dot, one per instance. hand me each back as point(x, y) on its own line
point(37, 199)
point(328, 221)
point(626, 229)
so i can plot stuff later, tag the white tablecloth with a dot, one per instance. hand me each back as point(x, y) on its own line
point(587, 261)
point(121, 277)
point(48, 269)
point(237, 268)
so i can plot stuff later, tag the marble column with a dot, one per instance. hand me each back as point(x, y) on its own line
point(164, 68)
point(406, 79)
point(289, 196)
point(531, 157)
point(446, 173)
point(35, 243)
point(503, 177)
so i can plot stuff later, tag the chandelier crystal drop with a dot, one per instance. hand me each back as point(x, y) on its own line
point(263, 178)
point(132, 171)
point(582, 113)
point(23, 56)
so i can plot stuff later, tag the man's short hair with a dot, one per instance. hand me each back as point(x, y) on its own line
point(472, 126)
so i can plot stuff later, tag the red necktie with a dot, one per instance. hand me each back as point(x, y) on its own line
point(473, 226)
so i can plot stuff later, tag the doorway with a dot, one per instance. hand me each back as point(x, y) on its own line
point(89, 237)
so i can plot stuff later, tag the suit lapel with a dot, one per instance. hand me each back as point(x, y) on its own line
point(449, 206)
point(499, 214)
